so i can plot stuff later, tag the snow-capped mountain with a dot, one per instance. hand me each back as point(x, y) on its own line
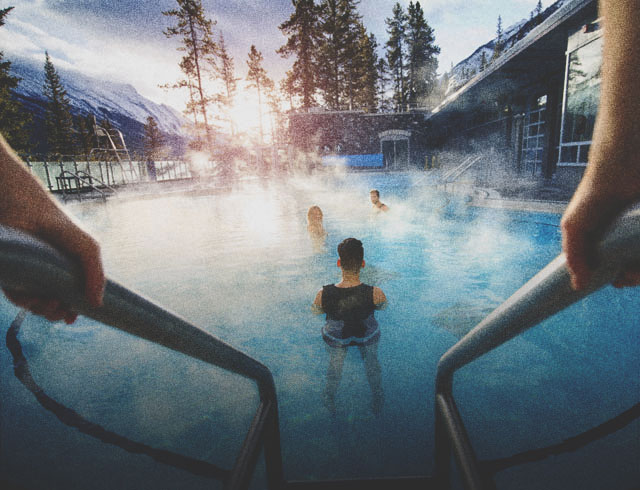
point(472, 65)
point(125, 108)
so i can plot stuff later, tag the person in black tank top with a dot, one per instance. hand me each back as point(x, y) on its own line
point(349, 307)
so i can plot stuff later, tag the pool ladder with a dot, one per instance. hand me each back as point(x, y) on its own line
point(36, 267)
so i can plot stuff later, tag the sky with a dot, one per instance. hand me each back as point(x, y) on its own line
point(123, 40)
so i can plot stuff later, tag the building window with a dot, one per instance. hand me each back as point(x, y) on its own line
point(533, 134)
point(581, 102)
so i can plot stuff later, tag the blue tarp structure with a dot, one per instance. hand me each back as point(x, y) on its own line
point(354, 161)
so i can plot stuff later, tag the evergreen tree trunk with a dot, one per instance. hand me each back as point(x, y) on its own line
point(195, 32)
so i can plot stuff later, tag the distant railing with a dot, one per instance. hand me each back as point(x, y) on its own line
point(77, 183)
point(112, 173)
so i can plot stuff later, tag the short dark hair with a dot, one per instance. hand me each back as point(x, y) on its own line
point(351, 253)
point(376, 191)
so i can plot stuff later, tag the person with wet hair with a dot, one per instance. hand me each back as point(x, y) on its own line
point(611, 181)
point(316, 230)
point(314, 222)
point(378, 205)
point(349, 307)
point(27, 206)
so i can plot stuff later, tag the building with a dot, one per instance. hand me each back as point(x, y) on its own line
point(359, 139)
point(533, 109)
point(529, 114)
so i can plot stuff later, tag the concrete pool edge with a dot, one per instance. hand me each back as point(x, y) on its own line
point(552, 207)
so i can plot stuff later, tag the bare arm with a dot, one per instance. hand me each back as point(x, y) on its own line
point(316, 307)
point(612, 178)
point(26, 205)
point(379, 299)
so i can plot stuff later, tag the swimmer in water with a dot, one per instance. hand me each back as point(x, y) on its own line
point(349, 306)
point(315, 227)
point(378, 205)
point(314, 222)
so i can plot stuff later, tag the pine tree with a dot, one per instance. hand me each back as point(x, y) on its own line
point(354, 40)
point(538, 9)
point(382, 85)
point(422, 55)
point(274, 102)
point(331, 54)
point(84, 135)
point(58, 120)
point(303, 36)
point(483, 61)
point(257, 77)
point(226, 73)
point(287, 87)
point(366, 95)
point(195, 31)
point(396, 52)
point(13, 117)
point(499, 45)
point(153, 139)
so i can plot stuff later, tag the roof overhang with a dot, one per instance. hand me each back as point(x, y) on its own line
point(535, 59)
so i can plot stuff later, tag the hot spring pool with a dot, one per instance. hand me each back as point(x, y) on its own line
point(240, 265)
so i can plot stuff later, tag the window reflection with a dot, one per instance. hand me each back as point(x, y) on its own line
point(583, 92)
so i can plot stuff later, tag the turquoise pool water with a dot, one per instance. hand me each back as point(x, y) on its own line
point(240, 265)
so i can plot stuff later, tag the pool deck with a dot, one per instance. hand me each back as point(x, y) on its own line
point(523, 204)
point(538, 199)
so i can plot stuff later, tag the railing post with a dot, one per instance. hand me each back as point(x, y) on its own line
point(442, 446)
point(273, 451)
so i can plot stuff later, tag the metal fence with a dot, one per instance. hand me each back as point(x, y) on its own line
point(56, 174)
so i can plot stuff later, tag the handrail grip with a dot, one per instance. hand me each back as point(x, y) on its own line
point(30, 265)
point(547, 293)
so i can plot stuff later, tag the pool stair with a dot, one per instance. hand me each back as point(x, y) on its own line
point(33, 266)
point(452, 175)
point(81, 185)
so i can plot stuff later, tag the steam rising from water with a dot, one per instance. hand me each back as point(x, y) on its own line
point(227, 249)
point(240, 264)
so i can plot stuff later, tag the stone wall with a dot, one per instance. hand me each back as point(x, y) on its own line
point(355, 132)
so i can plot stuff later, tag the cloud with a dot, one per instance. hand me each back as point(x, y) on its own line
point(123, 40)
point(92, 51)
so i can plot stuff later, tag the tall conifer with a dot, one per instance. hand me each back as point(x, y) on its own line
point(153, 139)
point(257, 77)
point(58, 120)
point(226, 73)
point(421, 56)
point(13, 117)
point(331, 54)
point(195, 32)
point(396, 52)
point(499, 44)
point(302, 31)
point(353, 41)
point(366, 93)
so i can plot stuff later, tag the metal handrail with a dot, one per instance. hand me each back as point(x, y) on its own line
point(85, 178)
point(91, 178)
point(456, 172)
point(34, 267)
point(547, 293)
